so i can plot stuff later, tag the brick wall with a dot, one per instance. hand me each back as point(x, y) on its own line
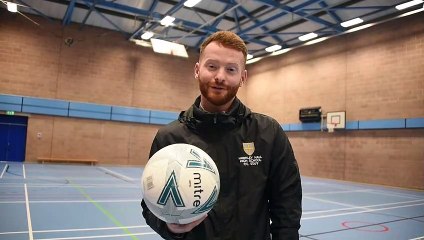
point(376, 73)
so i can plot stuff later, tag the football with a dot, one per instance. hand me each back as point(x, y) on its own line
point(180, 183)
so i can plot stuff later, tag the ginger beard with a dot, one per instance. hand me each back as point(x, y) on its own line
point(218, 97)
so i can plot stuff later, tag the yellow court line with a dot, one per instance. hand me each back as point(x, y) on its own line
point(104, 211)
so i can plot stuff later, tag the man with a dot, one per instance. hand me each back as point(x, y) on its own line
point(260, 179)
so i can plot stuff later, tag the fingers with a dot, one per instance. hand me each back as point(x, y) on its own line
point(183, 228)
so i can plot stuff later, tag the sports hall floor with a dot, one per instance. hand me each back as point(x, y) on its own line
point(52, 202)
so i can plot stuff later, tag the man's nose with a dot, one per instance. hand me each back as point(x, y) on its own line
point(220, 76)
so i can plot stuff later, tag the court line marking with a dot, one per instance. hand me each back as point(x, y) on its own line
point(23, 171)
point(337, 192)
point(31, 237)
point(365, 211)
point(405, 195)
point(353, 207)
point(4, 170)
point(418, 238)
point(75, 201)
point(100, 236)
point(104, 211)
point(64, 185)
point(125, 178)
point(75, 230)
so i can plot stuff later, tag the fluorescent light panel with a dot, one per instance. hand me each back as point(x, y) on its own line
point(316, 40)
point(280, 51)
point(352, 22)
point(308, 36)
point(253, 60)
point(167, 21)
point(191, 3)
point(165, 47)
point(147, 35)
point(273, 48)
point(249, 56)
point(408, 4)
point(12, 7)
point(360, 27)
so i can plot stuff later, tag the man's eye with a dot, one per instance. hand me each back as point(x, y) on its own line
point(232, 70)
point(211, 67)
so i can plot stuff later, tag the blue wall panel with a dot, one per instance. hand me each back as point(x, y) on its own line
point(90, 110)
point(305, 127)
point(382, 124)
point(92, 115)
point(11, 99)
point(415, 123)
point(352, 125)
point(90, 107)
point(48, 103)
point(160, 121)
point(139, 115)
point(45, 106)
point(129, 118)
point(286, 127)
point(45, 110)
point(130, 111)
point(164, 114)
point(10, 107)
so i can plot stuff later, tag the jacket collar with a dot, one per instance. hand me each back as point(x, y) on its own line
point(200, 120)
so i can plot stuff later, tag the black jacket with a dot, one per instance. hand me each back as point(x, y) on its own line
point(259, 182)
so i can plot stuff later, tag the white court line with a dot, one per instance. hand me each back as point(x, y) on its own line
point(4, 170)
point(23, 171)
point(101, 236)
point(76, 201)
point(117, 174)
point(353, 207)
point(418, 238)
point(31, 237)
point(365, 211)
point(337, 192)
point(77, 229)
point(404, 195)
point(62, 185)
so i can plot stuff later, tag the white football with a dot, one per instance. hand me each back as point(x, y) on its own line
point(180, 183)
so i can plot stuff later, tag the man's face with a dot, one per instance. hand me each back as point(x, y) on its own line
point(220, 72)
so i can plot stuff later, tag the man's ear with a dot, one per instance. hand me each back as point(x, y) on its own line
point(196, 70)
point(243, 78)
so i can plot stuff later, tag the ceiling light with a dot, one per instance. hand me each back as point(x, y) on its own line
point(147, 35)
point(352, 22)
point(141, 42)
point(191, 3)
point(167, 21)
point(316, 40)
point(280, 51)
point(408, 4)
point(308, 36)
point(249, 56)
point(253, 60)
point(12, 7)
point(165, 47)
point(360, 28)
point(412, 12)
point(273, 48)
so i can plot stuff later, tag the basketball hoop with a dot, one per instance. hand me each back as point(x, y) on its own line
point(335, 120)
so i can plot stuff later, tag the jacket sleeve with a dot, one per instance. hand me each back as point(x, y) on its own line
point(285, 190)
point(155, 223)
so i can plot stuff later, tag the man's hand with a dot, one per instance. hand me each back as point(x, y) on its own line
point(183, 228)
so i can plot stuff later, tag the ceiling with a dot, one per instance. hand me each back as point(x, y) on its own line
point(261, 23)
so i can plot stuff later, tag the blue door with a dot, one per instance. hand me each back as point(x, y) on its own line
point(13, 131)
